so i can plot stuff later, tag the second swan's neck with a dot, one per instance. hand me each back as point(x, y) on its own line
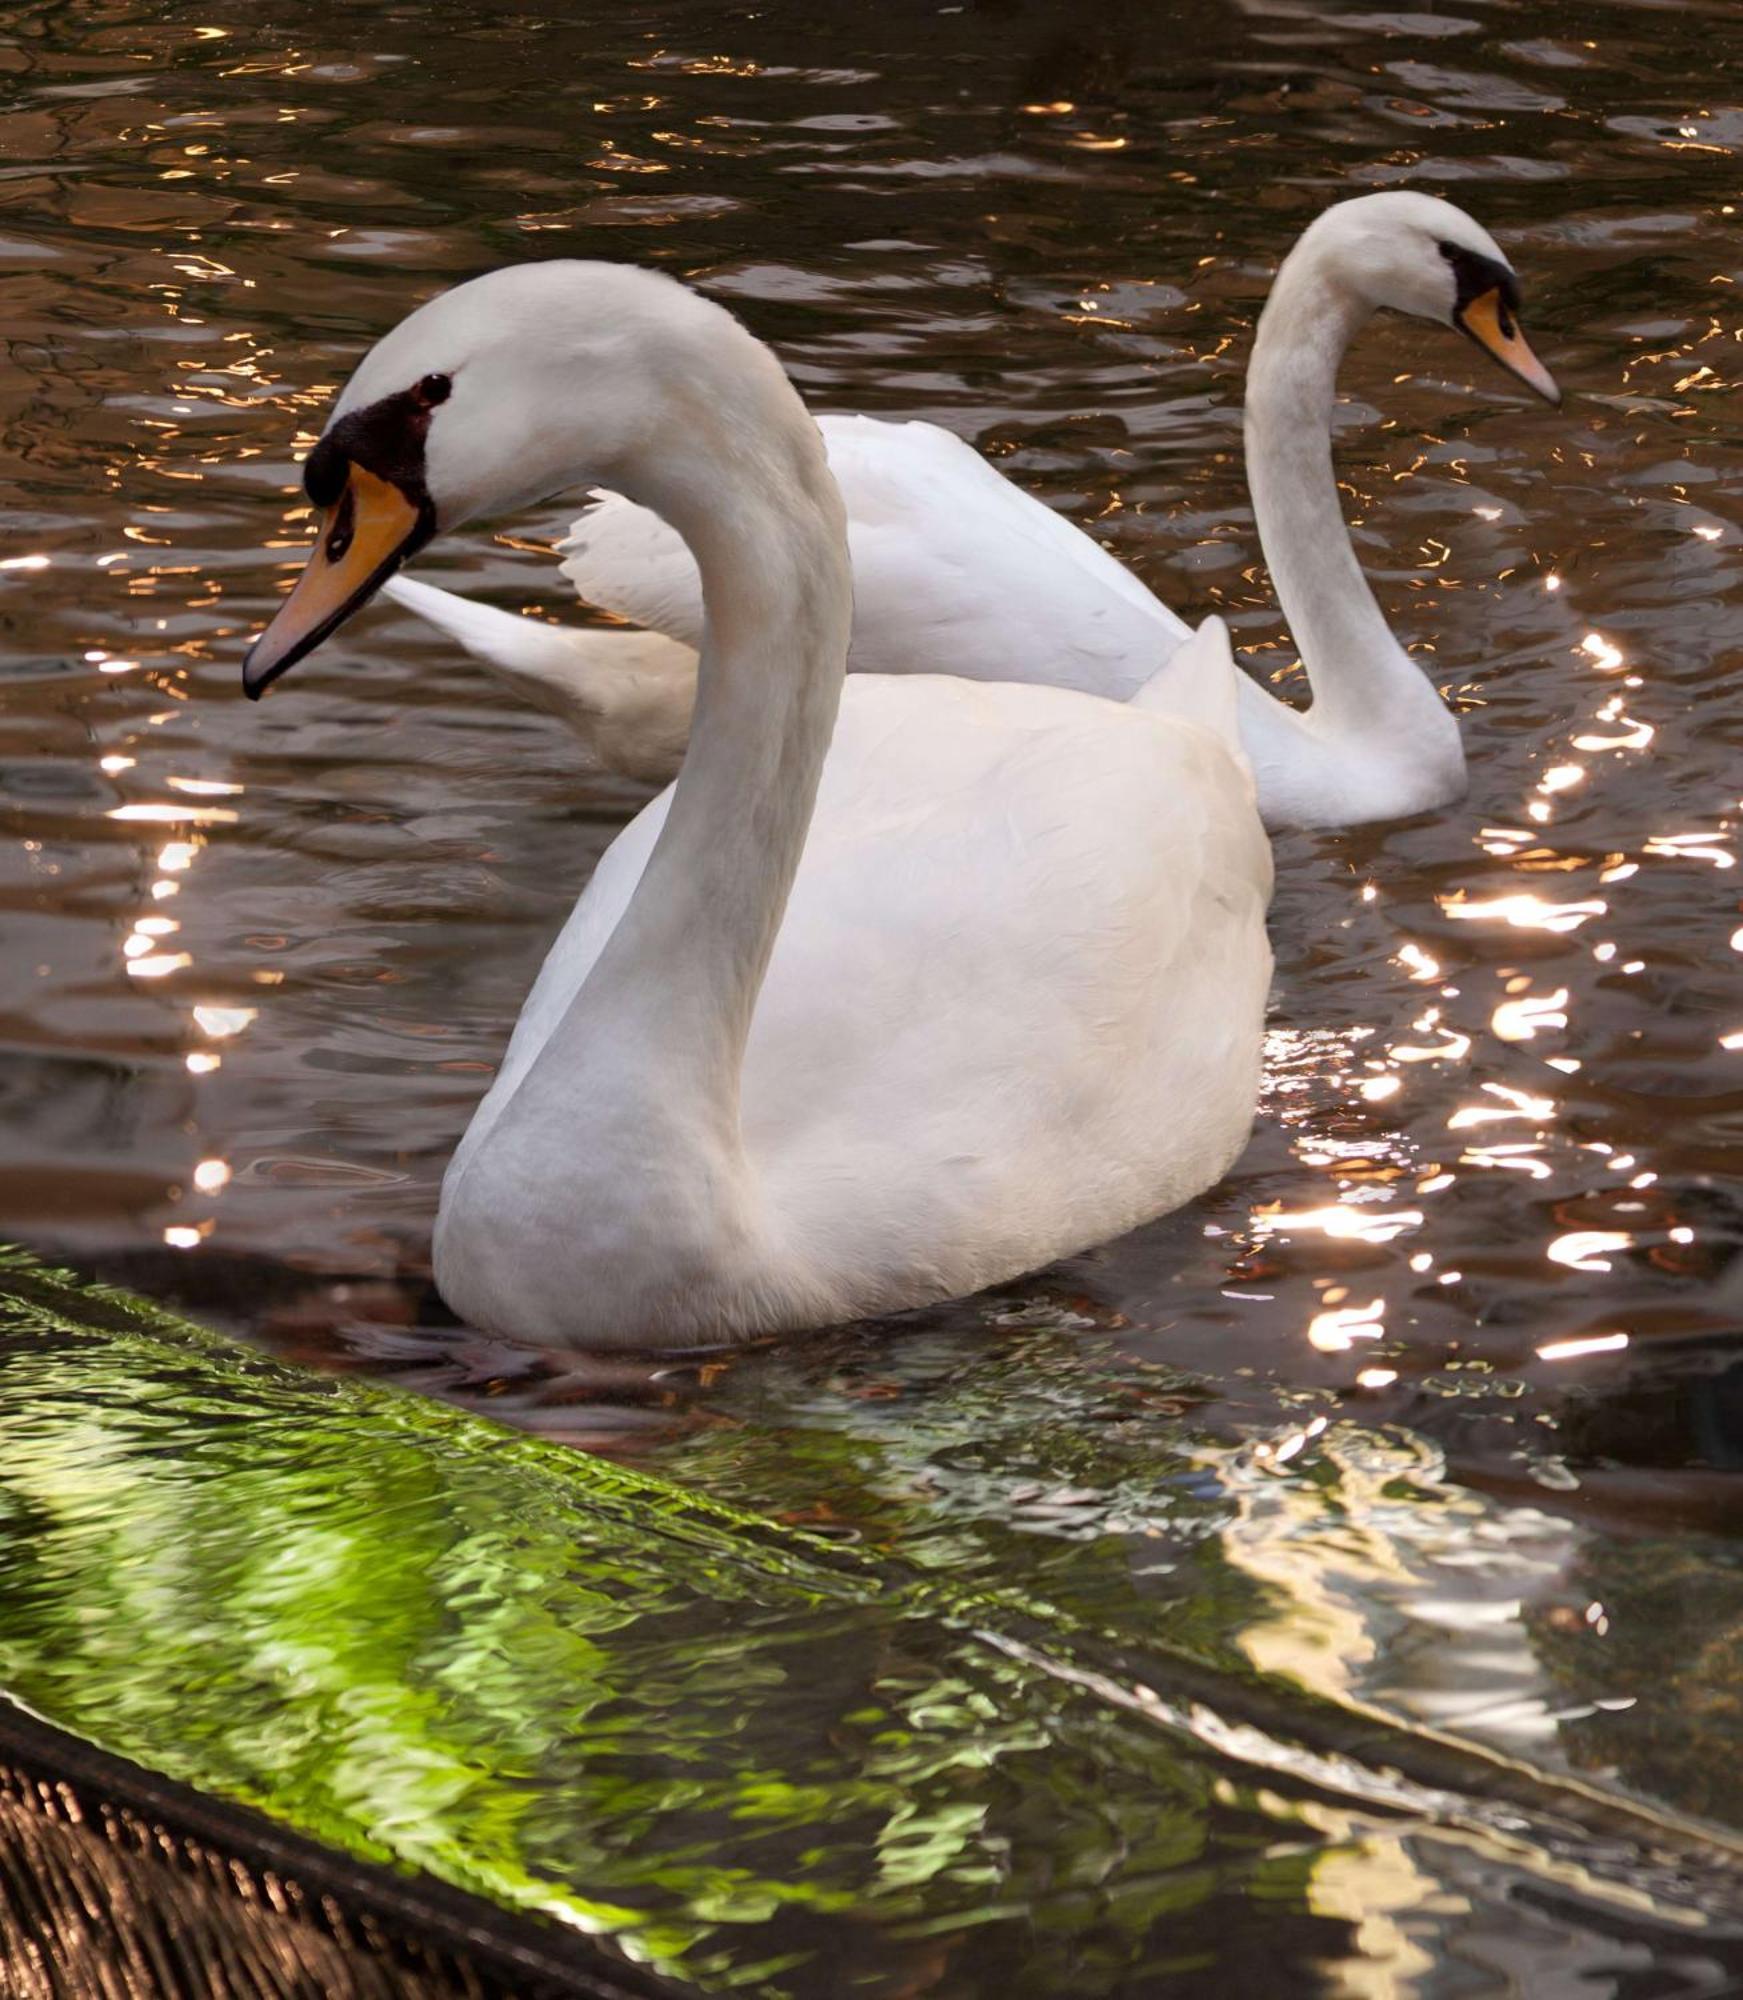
point(1356, 669)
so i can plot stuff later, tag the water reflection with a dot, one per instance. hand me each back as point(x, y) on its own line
point(1086, 1691)
point(262, 962)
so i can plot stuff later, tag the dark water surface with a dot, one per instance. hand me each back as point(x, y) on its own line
point(1446, 1376)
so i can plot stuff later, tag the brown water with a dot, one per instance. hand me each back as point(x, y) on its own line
point(261, 960)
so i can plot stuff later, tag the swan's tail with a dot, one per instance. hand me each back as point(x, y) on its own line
point(1199, 682)
point(512, 645)
point(627, 695)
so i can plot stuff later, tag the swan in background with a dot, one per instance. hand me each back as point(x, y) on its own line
point(899, 990)
point(956, 570)
point(626, 694)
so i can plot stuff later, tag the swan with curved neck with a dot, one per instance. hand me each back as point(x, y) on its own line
point(894, 994)
point(958, 570)
point(1378, 742)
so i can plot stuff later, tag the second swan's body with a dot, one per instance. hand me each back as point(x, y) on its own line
point(958, 571)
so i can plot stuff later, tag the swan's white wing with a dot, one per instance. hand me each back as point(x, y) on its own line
point(625, 559)
point(958, 571)
point(955, 570)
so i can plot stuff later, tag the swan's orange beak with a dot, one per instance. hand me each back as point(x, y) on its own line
point(1490, 323)
point(364, 537)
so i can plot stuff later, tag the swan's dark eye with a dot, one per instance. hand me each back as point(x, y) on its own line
point(344, 526)
point(433, 389)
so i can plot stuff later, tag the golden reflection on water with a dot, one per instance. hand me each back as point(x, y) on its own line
point(1454, 1575)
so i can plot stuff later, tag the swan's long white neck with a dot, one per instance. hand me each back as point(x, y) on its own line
point(690, 953)
point(624, 1132)
point(747, 486)
point(1357, 670)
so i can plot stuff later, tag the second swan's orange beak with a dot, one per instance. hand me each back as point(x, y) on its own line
point(364, 537)
point(1489, 321)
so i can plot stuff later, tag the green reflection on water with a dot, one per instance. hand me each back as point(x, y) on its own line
point(568, 1686)
point(769, 1762)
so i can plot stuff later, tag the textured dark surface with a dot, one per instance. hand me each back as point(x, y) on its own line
point(117, 1883)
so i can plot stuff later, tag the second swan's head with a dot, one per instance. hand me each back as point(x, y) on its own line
point(503, 391)
point(1417, 254)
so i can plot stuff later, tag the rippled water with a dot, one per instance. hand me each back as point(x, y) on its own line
point(261, 960)
point(1023, 1740)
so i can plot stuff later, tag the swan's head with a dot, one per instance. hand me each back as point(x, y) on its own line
point(520, 384)
point(1417, 254)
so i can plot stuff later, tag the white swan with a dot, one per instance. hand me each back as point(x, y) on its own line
point(837, 1026)
point(956, 570)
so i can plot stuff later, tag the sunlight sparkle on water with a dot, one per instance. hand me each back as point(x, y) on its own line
point(1631, 734)
point(1592, 1343)
point(165, 814)
point(1521, 1156)
point(1586, 1249)
point(1691, 847)
point(205, 788)
point(221, 1021)
point(1453, 1048)
point(1513, 1104)
point(1524, 911)
point(1533, 1014)
point(1339, 1220)
point(1337, 1331)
